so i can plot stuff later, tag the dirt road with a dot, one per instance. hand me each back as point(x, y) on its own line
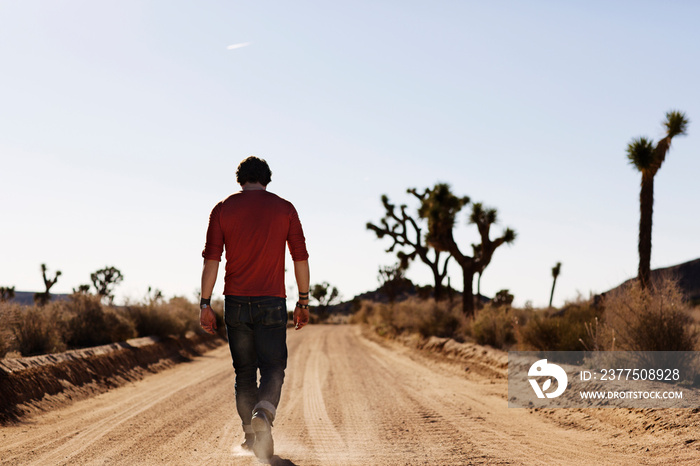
point(346, 400)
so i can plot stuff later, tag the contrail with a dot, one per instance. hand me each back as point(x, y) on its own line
point(238, 46)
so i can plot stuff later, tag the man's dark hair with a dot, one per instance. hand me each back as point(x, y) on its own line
point(253, 170)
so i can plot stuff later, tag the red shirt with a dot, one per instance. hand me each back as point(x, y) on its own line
point(254, 226)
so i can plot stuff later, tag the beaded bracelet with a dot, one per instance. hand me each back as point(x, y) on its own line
point(302, 306)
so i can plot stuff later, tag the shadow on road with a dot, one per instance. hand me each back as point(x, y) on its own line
point(277, 461)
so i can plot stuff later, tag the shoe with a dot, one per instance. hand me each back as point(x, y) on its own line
point(264, 445)
point(249, 442)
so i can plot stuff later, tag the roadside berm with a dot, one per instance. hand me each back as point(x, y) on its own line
point(40, 383)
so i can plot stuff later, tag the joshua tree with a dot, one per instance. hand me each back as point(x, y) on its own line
point(556, 270)
point(477, 253)
point(393, 282)
point(7, 293)
point(154, 295)
point(648, 159)
point(41, 299)
point(82, 289)
point(503, 298)
point(324, 294)
point(104, 281)
point(406, 233)
point(440, 207)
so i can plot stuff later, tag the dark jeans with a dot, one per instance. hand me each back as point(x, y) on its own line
point(257, 337)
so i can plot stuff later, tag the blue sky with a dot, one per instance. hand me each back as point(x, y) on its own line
point(123, 123)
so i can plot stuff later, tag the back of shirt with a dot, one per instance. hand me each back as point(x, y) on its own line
point(253, 226)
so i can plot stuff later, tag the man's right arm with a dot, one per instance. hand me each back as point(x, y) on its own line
point(207, 319)
point(212, 255)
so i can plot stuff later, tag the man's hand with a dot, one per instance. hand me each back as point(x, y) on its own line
point(301, 317)
point(207, 320)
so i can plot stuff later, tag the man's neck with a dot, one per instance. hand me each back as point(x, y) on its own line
point(253, 187)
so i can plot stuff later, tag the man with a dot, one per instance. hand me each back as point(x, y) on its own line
point(253, 225)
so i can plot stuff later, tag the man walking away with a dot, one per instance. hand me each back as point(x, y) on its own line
point(254, 225)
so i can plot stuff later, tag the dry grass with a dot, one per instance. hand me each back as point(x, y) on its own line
point(173, 318)
point(567, 329)
point(496, 326)
point(695, 314)
point(8, 312)
point(493, 326)
point(414, 315)
point(630, 319)
point(37, 330)
point(83, 321)
point(650, 320)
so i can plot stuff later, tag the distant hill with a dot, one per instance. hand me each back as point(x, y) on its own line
point(26, 298)
point(687, 274)
point(380, 296)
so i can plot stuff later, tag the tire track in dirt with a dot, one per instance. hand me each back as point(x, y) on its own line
point(349, 412)
point(408, 429)
point(326, 441)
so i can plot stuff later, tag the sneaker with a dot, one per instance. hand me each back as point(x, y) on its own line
point(264, 445)
point(249, 442)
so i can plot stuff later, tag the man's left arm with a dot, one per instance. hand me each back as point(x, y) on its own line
point(301, 273)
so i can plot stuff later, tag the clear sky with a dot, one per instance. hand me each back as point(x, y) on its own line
point(122, 123)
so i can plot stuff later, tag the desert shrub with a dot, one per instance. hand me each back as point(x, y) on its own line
point(82, 321)
point(38, 330)
point(174, 318)
point(4, 344)
point(361, 315)
point(495, 325)
point(405, 316)
point(377, 315)
point(92, 324)
point(8, 314)
point(695, 314)
point(564, 330)
point(441, 320)
point(413, 316)
point(656, 319)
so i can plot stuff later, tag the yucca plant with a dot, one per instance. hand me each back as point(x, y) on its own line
point(556, 270)
point(647, 158)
